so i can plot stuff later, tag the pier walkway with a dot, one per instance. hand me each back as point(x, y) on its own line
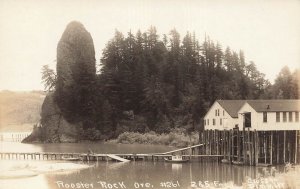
point(185, 152)
point(92, 157)
point(117, 158)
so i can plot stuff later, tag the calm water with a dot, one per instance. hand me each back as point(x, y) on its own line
point(130, 175)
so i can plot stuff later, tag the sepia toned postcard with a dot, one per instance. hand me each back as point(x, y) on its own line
point(154, 94)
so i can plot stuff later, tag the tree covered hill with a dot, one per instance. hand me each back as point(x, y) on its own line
point(19, 111)
point(150, 82)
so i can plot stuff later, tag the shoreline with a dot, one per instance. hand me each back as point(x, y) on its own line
point(177, 138)
point(25, 169)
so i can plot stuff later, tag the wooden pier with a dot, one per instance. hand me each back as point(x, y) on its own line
point(92, 157)
point(246, 147)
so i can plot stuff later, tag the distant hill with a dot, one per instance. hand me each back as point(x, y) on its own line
point(19, 111)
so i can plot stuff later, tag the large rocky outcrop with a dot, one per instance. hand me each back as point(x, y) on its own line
point(71, 106)
point(54, 127)
point(76, 73)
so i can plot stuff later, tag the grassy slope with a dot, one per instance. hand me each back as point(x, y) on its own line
point(20, 110)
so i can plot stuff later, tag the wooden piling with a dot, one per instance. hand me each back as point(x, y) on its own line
point(284, 141)
point(256, 150)
point(271, 149)
point(277, 146)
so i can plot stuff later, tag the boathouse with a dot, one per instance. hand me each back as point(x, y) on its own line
point(223, 114)
point(257, 115)
point(253, 132)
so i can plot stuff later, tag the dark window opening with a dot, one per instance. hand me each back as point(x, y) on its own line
point(247, 119)
point(284, 116)
point(277, 116)
point(265, 117)
point(297, 116)
point(290, 116)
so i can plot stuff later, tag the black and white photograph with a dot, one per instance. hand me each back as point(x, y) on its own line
point(137, 94)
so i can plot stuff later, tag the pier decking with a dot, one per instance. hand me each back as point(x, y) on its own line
point(90, 157)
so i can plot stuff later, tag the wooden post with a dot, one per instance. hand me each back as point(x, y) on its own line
point(296, 146)
point(252, 148)
point(271, 149)
point(278, 146)
point(206, 142)
point(284, 140)
point(238, 146)
point(289, 146)
point(217, 141)
point(249, 146)
point(256, 140)
point(265, 146)
point(244, 146)
point(230, 150)
point(211, 142)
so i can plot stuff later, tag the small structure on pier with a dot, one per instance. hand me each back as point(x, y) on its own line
point(253, 132)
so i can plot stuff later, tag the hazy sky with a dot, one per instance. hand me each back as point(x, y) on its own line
point(268, 31)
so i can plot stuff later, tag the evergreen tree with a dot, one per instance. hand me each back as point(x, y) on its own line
point(48, 78)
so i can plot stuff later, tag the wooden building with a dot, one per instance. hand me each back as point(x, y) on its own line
point(253, 132)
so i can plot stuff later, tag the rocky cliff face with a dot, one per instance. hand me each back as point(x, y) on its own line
point(53, 127)
point(70, 108)
point(76, 73)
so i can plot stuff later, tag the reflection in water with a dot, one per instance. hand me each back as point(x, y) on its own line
point(159, 172)
point(116, 165)
point(176, 167)
point(155, 172)
point(39, 182)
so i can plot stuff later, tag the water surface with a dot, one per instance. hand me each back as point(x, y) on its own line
point(138, 174)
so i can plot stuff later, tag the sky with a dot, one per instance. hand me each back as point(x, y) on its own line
point(268, 31)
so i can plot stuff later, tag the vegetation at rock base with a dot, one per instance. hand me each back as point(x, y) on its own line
point(151, 83)
point(176, 137)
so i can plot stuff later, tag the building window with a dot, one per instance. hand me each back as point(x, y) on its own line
point(284, 116)
point(223, 112)
point(297, 116)
point(214, 121)
point(265, 117)
point(290, 116)
point(207, 121)
point(247, 119)
point(204, 122)
point(216, 112)
point(277, 116)
point(220, 121)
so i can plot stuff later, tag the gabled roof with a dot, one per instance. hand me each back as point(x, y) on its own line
point(232, 106)
point(287, 105)
point(275, 105)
